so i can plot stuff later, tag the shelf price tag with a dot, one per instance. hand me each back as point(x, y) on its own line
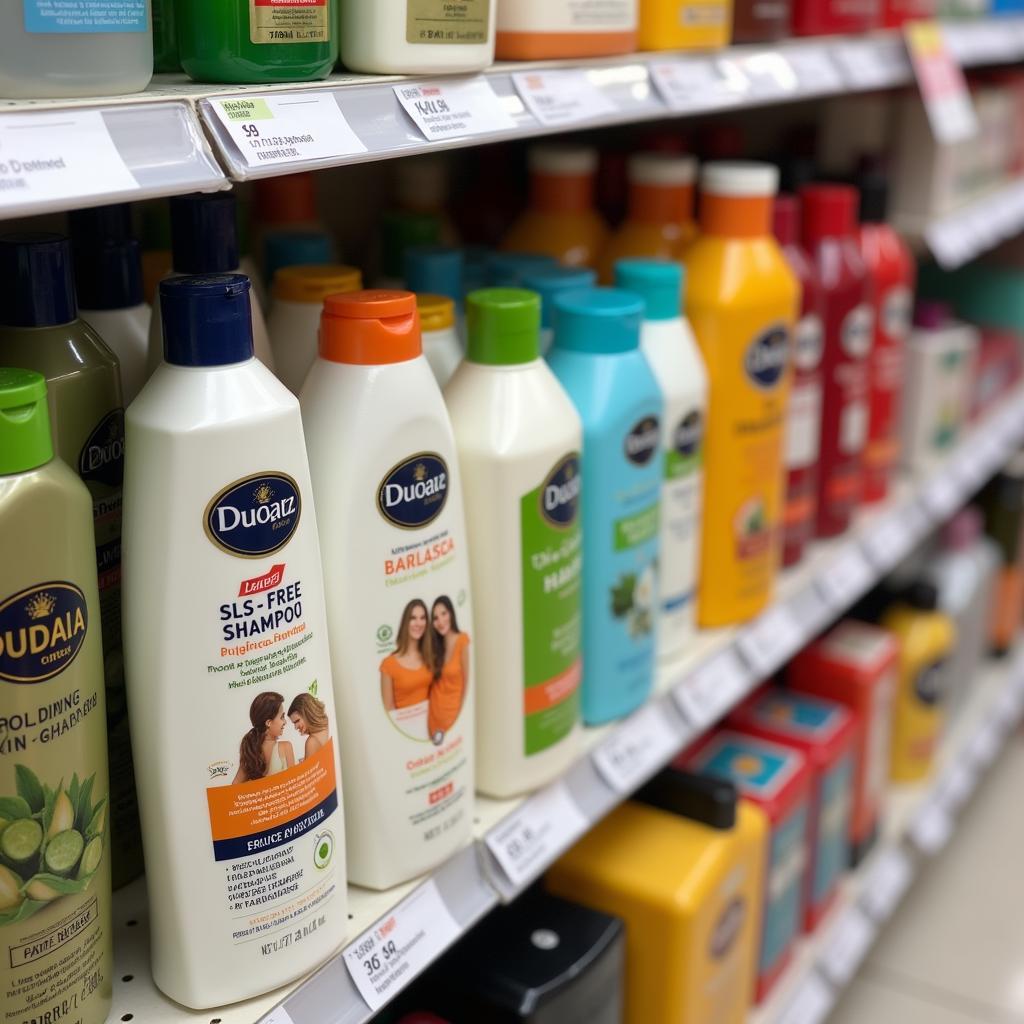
point(847, 946)
point(888, 880)
point(872, 63)
point(846, 578)
point(959, 784)
point(287, 128)
point(454, 110)
point(562, 97)
point(942, 494)
point(386, 957)
point(278, 1015)
point(941, 82)
point(770, 640)
point(888, 542)
point(528, 840)
point(697, 84)
point(768, 74)
point(932, 826)
point(815, 72)
point(812, 1003)
point(636, 749)
point(713, 689)
point(985, 745)
point(59, 155)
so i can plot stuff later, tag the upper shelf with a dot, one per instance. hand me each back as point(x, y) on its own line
point(75, 152)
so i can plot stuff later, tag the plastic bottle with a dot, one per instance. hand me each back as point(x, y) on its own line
point(389, 499)
point(674, 355)
point(441, 345)
point(216, 469)
point(760, 21)
point(508, 269)
point(401, 229)
point(561, 220)
point(926, 637)
point(295, 249)
point(53, 777)
point(91, 48)
point(549, 282)
point(519, 439)
point(659, 223)
point(563, 29)
point(422, 184)
point(684, 24)
point(204, 240)
point(417, 37)
point(438, 270)
point(165, 37)
point(108, 281)
point(285, 227)
point(831, 17)
point(294, 321)
point(1003, 502)
point(891, 272)
point(829, 237)
point(597, 359)
point(803, 419)
point(40, 329)
point(156, 246)
point(742, 302)
point(253, 42)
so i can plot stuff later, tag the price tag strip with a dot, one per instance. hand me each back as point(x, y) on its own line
point(454, 110)
point(932, 827)
point(872, 63)
point(385, 958)
point(888, 881)
point(888, 542)
point(278, 1015)
point(812, 1003)
point(697, 84)
point(985, 745)
point(769, 75)
point(846, 579)
point(636, 749)
point(713, 689)
point(770, 640)
point(959, 784)
point(562, 97)
point(942, 494)
point(941, 82)
point(848, 944)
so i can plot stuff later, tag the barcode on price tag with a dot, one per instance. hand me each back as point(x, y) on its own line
point(454, 110)
point(847, 945)
point(637, 748)
point(770, 640)
point(812, 1003)
point(529, 840)
point(384, 959)
point(287, 128)
point(713, 689)
point(889, 879)
point(888, 542)
point(697, 84)
point(845, 579)
point(562, 97)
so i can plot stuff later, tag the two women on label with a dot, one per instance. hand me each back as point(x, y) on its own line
point(430, 663)
point(262, 752)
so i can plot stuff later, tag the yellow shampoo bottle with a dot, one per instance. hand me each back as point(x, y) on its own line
point(742, 302)
point(927, 637)
point(685, 872)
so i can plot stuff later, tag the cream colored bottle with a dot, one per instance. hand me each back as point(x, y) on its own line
point(519, 438)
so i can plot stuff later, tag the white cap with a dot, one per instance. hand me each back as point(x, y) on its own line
point(739, 178)
point(421, 182)
point(569, 161)
point(665, 169)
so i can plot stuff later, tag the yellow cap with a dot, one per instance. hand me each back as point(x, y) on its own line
point(436, 311)
point(313, 282)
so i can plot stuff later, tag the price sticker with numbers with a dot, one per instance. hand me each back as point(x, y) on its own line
point(637, 748)
point(454, 110)
point(713, 689)
point(812, 1003)
point(888, 880)
point(386, 957)
point(697, 84)
point(770, 640)
point(562, 97)
point(845, 579)
point(847, 945)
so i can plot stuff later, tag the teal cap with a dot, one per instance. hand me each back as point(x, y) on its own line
point(599, 320)
point(548, 281)
point(506, 269)
point(24, 421)
point(658, 282)
point(502, 326)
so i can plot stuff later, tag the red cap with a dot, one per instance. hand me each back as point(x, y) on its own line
point(830, 211)
point(786, 219)
point(370, 328)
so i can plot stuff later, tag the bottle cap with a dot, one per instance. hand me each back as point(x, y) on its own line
point(507, 269)
point(109, 276)
point(287, 199)
point(786, 219)
point(662, 170)
point(874, 196)
point(709, 799)
point(562, 160)
point(829, 211)
point(313, 282)
point(402, 228)
point(436, 311)
point(39, 285)
point(204, 236)
point(435, 269)
point(963, 529)
point(503, 326)
point(739, 178)
point(24, 421)
point(207, 320)
point(550, 280)
point(370, 328)
point(291, 248)
point(658, 282)
point(598, 320)
point(97, 224)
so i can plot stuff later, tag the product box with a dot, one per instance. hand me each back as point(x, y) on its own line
point(997, 368)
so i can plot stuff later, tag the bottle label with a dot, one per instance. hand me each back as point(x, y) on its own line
point(766, 356)
point(289, 21)
point(680, 510)
point(446, 22)
point(897, 312)
point(642, 440)
point(69, 17)
point(786, 865)
point(833, 831)
point(803, 424)
point(808, 343)
point(552, 558)
point(41, 632)
point(855, 335)
point(254, 517)
point(575, 16)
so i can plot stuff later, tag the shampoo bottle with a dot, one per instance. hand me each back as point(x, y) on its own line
point(232, 709)
point(548, 282)
point(441, 343)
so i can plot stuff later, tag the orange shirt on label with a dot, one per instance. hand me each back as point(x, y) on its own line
point(411, 685)
point(447, 693)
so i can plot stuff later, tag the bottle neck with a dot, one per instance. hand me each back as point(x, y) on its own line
point(735, 216)
point(659, 204)
point(561, 193)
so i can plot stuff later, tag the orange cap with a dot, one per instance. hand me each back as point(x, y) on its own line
point(313, 282)
point(288, 199)
point(370, 328)
point(436, 311)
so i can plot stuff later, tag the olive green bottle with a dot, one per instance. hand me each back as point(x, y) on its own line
point(40, 330)
point(56, 955)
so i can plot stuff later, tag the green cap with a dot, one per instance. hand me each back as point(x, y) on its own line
point(24, 421)
point(503, 326)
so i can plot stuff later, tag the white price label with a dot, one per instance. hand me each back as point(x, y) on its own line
point(636, 749)
point(385, 958)
point(278, 1015)
point(812, 1003)
point(959, 784)
point(768, 74)
point(287, 128)
point(888, 880)
point(942, 495)
point(713, 689)
point(454, 110)
point(932, 827)
point(697, 84)
point(873, 63)
point(985, 745)
point(810, 610)
point(845, 579)
point(967, 471)
point(768, 641)
point(917, 521)
point(847, 945)
point(815, 71)
point(888, 542)
point(562, 97)
point(990, 451)
point(59, 155)
point(530, 839)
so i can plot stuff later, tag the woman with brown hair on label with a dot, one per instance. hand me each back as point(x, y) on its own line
point(406, 674)
point(451, 677)
point(309, 716)
point(262, 752)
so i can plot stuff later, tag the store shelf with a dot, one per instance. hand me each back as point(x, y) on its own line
point(919, 822)
point(516, 840)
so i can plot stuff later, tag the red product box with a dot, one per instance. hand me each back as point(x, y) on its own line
point(997, 368)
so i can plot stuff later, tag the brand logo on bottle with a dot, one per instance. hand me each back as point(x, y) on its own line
point(808, 343)
point(42, 629)
point(929, 686)
point(855, 334)
point(560, 495)
point(255, 516)
point(765, 358)
point(727, 927)
point(687, 436)
point(415, 491)
point(642, 441)
point(102, 456)
point(897, 311)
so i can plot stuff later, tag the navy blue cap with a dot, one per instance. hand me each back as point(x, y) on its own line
point(207, 320)
point(506, 269)
point(110, 275)
point(434, 270)
point(100, 224)
point(658, 282)
point(599, 320)
point(38, 283)
point(296, 248)
point(204, 235)
point(548, 282)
